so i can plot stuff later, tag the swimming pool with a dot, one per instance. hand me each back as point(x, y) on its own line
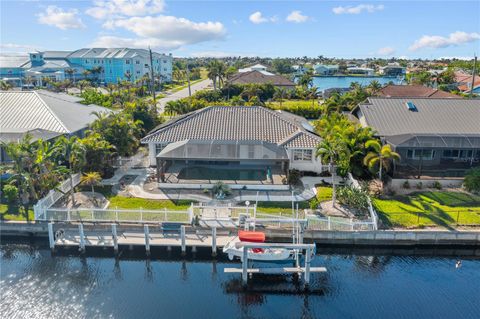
point(194, 172)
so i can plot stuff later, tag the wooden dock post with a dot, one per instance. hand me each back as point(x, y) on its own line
point(147, 238)
point(51, 237)
point(214, 241)
point(307, 265)
point(82, 237)
point(115, 238)
point(184, 244)
point(245, 265)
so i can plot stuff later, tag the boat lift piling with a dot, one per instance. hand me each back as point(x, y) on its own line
point(183, 239)
point(214, 241)
point(147, 239)
point(115, 238)
point(82, 237)
point(51, 237)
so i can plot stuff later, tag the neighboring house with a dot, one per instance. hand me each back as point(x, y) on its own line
point(257, 67)
point(45, 115)
point(258, 77)
point(325, 69)
point(299, 69)
point(236, 137)
point(413, 91)
point(359, 70)
point(114, 63)
point(436, 137)
point(464, 82)
point(393, 69)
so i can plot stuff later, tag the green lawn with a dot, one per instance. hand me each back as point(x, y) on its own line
point(429, 209)
point(14, 212)
point(324, 193)
point(279, 208)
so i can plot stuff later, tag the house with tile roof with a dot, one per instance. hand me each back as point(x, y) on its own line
point(42, 114)
point(413, 91)
point(434, 136)
point(235, 138)
point(259, 77)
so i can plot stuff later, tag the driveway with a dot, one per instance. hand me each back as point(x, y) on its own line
point(182, 93)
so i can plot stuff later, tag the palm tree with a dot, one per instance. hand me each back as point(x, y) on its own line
point(70, 73)
point(306, 80)
point(28, 80)
point(71, 153)
point(216, 71)
point(111, 88)
point(91, 179)
point(312, 94)
point(374, 86)
point(330, 151)
point(279, 94)
point(82, 84)
point(380, 157)
point(86, 74)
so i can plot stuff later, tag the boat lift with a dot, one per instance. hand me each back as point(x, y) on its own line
point(306, 269)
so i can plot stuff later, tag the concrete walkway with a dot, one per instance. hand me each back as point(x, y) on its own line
point(182, 93)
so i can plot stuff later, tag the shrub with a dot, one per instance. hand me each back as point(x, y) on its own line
point(406, 185)
point(10, 192)
point(314, 203)
point(293, 177)
point(221, 188)
point(353, 197)
point(437, 185)
point(472, 180)
point(419, 185)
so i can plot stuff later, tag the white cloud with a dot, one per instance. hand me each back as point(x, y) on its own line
point(297, 17)
point(436, 41)
point(258, 18)
point(161, 32)
point(62, 19)
point(172, 30)
point(118, 42)
point(386, 51)
point(358, 9)
point(220, 54)
point(14, 48)
point(104, 9)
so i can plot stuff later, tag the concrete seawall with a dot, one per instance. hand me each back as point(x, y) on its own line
point(387, 238)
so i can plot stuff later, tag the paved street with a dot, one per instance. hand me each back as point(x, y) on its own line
point(182, 93)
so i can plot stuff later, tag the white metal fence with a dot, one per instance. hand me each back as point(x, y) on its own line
point(373, 214)
point(43, 204)
point(342, 224)
point(118, 215)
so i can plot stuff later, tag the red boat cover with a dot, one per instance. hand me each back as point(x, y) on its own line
point(251, 236)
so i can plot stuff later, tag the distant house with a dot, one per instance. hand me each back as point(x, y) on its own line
point(325, 69)
point(44, 115)
point(114, 65)
point(434, 136)
point(234, 138)
point(257, 67)
point(259, 77)
point(464, 82)
point(393, 69)
point(413, 91)
point(299, 69)
point(359, 70)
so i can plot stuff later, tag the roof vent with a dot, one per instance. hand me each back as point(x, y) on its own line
point(411, 107)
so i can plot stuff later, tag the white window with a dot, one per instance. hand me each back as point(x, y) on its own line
point(302, 155)
point(127, 61)
point(137, 62)
point(159, 148)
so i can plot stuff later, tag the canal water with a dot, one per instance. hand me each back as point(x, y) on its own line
point(327, 82)
point(358, 284)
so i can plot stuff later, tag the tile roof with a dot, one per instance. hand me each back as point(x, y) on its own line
point(24, 111)
point(390, 116)
point(246, 123)
point(259, 78)
point(413, 91)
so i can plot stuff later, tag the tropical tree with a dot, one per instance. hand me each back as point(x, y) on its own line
point(330, 151)
point(98, 154)
point(374, 86)
point(5, 86)
point(71, 153)
point(91, 179)
point(70, 73)
point(279, 94)
point(82, 84)
point(381, 157)
point(216, 72)
point(305, 80)
point(312, 94)
point(86, 73)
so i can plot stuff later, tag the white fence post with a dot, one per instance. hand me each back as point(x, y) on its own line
point(182, 235)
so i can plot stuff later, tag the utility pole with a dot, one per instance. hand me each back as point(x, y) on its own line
point(188, 79)
point(152, 78)
point(473, 75)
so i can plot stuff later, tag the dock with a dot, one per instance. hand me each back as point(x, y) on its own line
point(145, 236)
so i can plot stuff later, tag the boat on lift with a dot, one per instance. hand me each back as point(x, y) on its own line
point(235, 249)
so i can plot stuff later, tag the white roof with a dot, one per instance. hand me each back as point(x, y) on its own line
point(24, 111)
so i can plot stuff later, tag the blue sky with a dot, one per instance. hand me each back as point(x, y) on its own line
point(426, 29)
